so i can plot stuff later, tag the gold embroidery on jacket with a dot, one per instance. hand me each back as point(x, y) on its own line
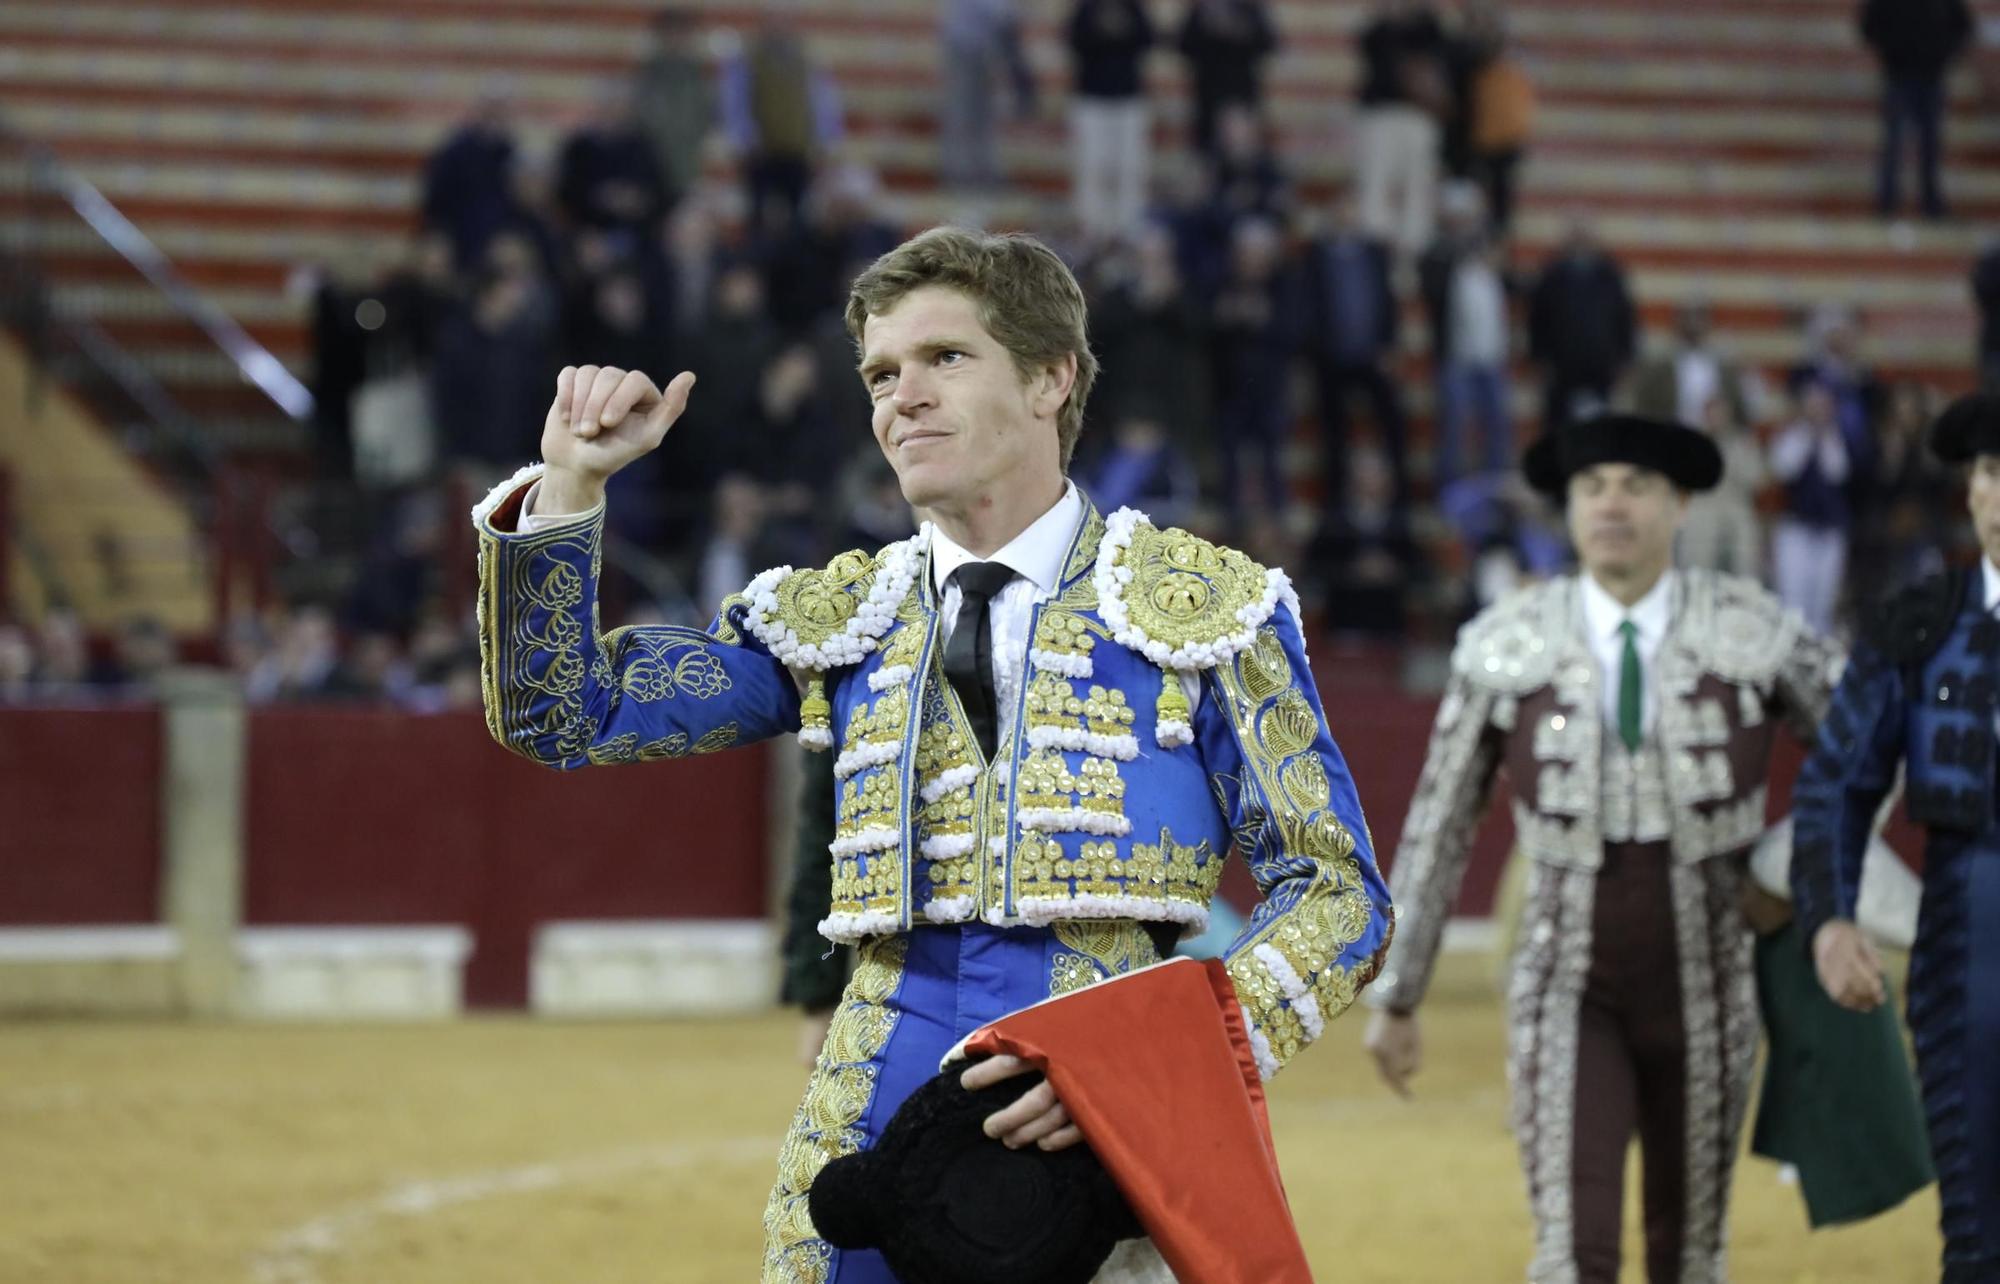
point(826, 1125)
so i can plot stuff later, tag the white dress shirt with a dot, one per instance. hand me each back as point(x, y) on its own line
point(1602, 616)
point(1036, 557)
point(1989, 576)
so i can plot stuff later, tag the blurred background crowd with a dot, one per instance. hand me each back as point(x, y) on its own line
point(1341, 384)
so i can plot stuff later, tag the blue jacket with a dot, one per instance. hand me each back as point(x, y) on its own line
point(1111, 800)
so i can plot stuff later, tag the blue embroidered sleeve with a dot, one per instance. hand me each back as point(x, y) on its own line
point(560, 692)
point(1849, 772)
point(1320, 932)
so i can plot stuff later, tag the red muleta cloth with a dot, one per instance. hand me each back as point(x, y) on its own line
point(1156, 1070)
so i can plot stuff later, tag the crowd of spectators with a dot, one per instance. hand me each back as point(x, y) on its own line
point(706, 215)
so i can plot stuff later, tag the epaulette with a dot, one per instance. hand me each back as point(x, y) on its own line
point(1179, 600)
point(830, 617)
point(1510, 646)
point(1739, 628)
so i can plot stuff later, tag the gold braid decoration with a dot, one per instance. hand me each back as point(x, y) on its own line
point(817, 604)
point(1186, 590)
point(827, 1123)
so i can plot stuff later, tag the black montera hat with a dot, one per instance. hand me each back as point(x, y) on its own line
point(1686, 455)
point(946, 1204)
point(1969, 426)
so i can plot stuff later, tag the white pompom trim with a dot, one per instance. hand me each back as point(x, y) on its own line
point(1124, 748)
point(1260, 1046)
point(946, 846)
point(817, 739)
point(846, 929)
point(949, 909)
point(1111, 578)
point(947, 783)
point(498, 495)
point(1281, 971)
point(1067, 664)
point(866, 755)
point(877, 839)
point(1307, 1008)
point(1040, 911)
point(873, 618)
point(893, 675)
point(1073, 820)
point(1171, 733)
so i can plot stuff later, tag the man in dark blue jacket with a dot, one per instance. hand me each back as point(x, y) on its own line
point(1921, 692)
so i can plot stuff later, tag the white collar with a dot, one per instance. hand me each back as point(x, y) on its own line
point(1989, 575)
point(1603, 613)
point(1037, 553)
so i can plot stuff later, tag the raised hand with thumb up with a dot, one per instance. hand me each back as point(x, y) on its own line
point(602, 419)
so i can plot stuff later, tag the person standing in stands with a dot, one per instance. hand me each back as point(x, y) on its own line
point(1916, 42)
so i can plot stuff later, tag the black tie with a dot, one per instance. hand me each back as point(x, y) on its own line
point(968, 657)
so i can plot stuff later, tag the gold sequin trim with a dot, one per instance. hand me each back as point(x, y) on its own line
point(826, 1123)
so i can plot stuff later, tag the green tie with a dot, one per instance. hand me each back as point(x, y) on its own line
point(1630, 688)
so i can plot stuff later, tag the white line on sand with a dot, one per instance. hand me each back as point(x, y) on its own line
point(294, 1257)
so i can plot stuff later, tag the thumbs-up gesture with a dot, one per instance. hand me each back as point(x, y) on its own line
point(602, 419)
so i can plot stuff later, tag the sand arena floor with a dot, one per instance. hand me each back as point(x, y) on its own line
point(509, 1151)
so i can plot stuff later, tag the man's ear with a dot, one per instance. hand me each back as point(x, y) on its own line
point(1054, 384)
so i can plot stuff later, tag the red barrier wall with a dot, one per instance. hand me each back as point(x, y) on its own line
point(377, 817)
point(79, 817)
point(370, 816)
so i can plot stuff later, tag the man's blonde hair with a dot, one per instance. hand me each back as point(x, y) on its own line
point(1023, 294)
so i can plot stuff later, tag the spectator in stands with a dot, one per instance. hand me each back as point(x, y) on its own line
point(791, 447)
point(488, 359)
point(731, 350)
point(733, 548)
point(608, 179)
point(1581, 328)
point(982, 46)
point(1912, 517)
point(305, 656)
point(246, 644)
point(62, 650)
point(1368, 561)
point(1110, 139)
point(1352, 324)
point(1833, 343)
point(1245, 178)
point(806, 272)
point(1493, 107)
point(612, 321)
point(1915, 41)
point(1680, 383)
point(443, 664)
point(1986, 292)
point(468, 183)
point(1142, 469)
point(681, 278)
point(781, 112)
point(1464, 284)
point(401, 567)
point(1226, 43)
point(141, 651)
point(1723, 531)
point(1152, 334)
point(1253, 327)
point(17, 664)
point(1809, 458)
point(673, 102)
point(372, 672)
point(1405, 92)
